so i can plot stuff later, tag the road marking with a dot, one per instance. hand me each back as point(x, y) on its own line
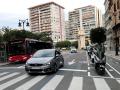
point(76, 84)
point(110, 70)
point(8, 76)
point(23, 66)
point(101, 84)
point(109, 73)
point(52, 84)
point(13, 81)
point(87, 59)
point(72, 62)
point(118, 81)
point(89, 74)
point(88, 68)
point(30, 83)
point(113, 68)
point(74, 70)
point(3, 73)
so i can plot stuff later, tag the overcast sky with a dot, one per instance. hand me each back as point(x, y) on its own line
point(13, 10)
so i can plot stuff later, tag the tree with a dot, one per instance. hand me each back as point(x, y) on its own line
point(17, 34)
point(75, 44)
point(44, 36)
point(63, 44)
point(1, 37)
point(98, 35)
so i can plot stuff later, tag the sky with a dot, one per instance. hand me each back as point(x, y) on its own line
point(13, 10)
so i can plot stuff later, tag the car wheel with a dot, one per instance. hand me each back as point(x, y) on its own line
point(55, 69)
point(61, 64)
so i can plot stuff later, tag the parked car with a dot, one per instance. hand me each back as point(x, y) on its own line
point(73, 50)
point(44, 61)
point(18, 58)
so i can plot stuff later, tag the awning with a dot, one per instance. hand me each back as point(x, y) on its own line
point(116, 27)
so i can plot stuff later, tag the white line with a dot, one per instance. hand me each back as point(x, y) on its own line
point(74, 70)
point(89, 74)
point(88, 68)
point(52, 84)
point(23, 66)
point(30, 83)
point(13, 81)
point(76, 84)
point(118, 81)
point(3, 73)
point(87, 59)
point(113, 68)
point(100, 84)
point(103, 77)
point(109, 73)
point(72, 62)
point(8, 76)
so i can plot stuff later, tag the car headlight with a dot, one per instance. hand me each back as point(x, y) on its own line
point(47, 64)
point(26, 64)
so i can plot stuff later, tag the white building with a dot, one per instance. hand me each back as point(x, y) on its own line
point(48, 17)
point(87, 17)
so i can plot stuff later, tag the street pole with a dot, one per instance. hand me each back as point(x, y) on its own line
point(23, 22)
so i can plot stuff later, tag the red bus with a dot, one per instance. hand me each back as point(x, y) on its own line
point(21, 50)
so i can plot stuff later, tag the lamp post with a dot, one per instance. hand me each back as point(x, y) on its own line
point(22, 22)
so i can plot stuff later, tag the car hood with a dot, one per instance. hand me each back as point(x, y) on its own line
point(41, 60)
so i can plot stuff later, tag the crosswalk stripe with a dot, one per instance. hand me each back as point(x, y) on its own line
point(30, 83)
point(8, 76)
point(13, 81)
point(3, 73)
point(118, 81)
point(52, 84)
point(76, 83)
point(101, 84)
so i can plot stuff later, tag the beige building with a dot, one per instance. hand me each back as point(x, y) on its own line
point(112, 23)
point(87, 17)
point(48, 17)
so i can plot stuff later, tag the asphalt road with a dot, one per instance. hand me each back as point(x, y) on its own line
point(78, 73)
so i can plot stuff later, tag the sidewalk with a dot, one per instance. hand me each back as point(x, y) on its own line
point(112, 55)
point(3, 63)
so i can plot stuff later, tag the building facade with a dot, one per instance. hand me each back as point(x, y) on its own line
point(112, 23)
point(48, 17)
point(86, 18)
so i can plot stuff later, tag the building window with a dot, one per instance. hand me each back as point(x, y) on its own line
point(118, 4)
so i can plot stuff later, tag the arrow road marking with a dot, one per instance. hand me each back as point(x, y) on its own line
point(72, 62)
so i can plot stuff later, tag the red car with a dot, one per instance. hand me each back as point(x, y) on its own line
point(19, 58)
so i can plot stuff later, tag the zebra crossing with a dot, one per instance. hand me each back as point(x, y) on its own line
point(27, 82)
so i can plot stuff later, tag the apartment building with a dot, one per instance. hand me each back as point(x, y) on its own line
point(86, 18)
point(112, 23)
point(67, 34)
point(48, 17)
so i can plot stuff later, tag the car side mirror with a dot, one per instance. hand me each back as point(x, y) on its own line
point(57, 55)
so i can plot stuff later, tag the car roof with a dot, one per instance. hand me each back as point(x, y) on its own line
point(47, 49)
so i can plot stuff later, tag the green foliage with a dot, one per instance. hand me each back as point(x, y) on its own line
point(63, 44)
point(98, 35)
point(1, 37)
point(17, 34)
point(44, 36)
point(75, 44)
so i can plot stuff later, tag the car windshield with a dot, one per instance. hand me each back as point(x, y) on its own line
point(44, 53)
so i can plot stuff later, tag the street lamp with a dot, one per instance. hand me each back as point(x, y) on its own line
point(22, 22)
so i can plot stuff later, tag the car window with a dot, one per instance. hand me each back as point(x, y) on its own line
point(44, 53)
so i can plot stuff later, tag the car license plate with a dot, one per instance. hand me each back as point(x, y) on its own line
point(35, 67)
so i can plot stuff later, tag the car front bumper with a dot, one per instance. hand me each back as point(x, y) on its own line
point(38, 69)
